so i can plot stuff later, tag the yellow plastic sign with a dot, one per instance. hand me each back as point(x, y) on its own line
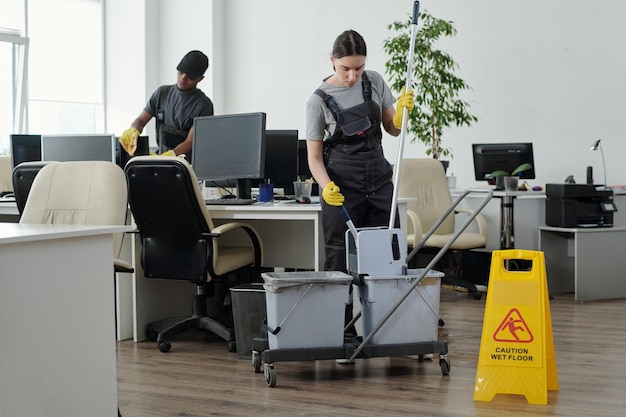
point(517, 348)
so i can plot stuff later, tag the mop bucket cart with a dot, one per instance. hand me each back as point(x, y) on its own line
point(399, 306)
point(305, 319)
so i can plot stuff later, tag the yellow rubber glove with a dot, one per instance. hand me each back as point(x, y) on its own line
point(332, 196)
point(128, 140)
point(168, 153)
point(405, 101)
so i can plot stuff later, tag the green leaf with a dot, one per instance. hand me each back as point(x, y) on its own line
point(524, 167)
point(496, 174)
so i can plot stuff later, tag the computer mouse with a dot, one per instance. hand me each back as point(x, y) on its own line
point(303, 200)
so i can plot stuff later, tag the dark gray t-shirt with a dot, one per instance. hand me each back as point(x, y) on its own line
point(178, 106)
point(320, 122)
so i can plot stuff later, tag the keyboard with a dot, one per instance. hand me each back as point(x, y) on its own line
point(229, 201)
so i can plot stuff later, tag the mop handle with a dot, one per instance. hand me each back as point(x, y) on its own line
point(346, 217)
point(405, 116)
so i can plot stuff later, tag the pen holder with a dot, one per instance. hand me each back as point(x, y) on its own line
point(302, 189)
point(266, 192)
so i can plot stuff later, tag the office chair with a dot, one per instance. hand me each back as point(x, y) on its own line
point(80, 192)
point(425, 180)
point(179, 241)
point(22, 179)
point(6, 186)
point(23, 176)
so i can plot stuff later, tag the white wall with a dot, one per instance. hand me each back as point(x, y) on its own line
point(541, 71)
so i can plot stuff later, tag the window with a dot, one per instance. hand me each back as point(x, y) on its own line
point(56, 80)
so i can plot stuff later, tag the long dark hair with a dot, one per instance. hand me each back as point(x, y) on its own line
point(349, 43)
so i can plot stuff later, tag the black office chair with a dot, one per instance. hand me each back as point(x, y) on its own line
point(179, 241)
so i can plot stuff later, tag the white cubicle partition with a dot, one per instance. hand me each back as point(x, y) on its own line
point(57, 356)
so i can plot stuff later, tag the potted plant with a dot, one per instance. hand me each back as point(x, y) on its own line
point(436, 87)
point(498, 177)
point(516, 172)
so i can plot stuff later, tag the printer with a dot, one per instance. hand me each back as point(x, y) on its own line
point(579, 205)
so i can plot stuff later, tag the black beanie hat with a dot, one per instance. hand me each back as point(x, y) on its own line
point(194, 64)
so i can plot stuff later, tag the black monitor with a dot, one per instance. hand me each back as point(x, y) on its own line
point(85, 147)
point(303, 163)
point(25, 148)
point(281, 159)
point(122, 157)
point(490, 157)
point(230, 147)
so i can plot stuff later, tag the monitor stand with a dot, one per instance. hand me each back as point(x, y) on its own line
point(244, 189)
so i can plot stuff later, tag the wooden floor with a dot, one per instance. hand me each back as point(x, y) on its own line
point(199, 377)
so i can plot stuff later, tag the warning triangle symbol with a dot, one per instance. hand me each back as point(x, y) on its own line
point(513, 329)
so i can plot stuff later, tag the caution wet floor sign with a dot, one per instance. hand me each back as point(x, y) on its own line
point(517, 348)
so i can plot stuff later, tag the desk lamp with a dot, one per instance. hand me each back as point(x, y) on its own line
point(597, 144)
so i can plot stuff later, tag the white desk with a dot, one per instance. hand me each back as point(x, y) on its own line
point(512, 217)
point(57, 355)
point(292, 237)
point(587, 261)
point(292, 233)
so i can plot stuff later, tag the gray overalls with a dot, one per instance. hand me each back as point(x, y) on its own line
point(355, 161)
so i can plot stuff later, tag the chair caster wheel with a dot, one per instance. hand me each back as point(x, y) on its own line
point(164, 346)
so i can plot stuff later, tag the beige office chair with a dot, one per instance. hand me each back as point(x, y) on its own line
point(6, 185)
point(84, 192)
point(180, 241)
point(424, 180)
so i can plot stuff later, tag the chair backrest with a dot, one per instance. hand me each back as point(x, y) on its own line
point(79, 192)
point(5, 174)
point(23, 177)
point(425, 179)
point(173, 221)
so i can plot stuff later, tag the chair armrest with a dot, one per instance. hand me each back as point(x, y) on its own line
point(479, 219)
point(120, 265)
point(254, 236)
point(414, 224)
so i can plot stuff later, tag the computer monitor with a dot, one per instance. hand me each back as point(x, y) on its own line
point(25, 148)
point(122, 157)
point(281, 159)
point(86, 147)
point(230, 147)
point(490, 157)
point(303, 163)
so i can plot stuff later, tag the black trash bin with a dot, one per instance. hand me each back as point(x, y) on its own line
point(249, 311)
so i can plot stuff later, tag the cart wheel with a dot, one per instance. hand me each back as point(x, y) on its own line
point(444, 363)
point(256, 361)
point(270, 375)
point(477, 295)
point(164, 346)
point(232, 346)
